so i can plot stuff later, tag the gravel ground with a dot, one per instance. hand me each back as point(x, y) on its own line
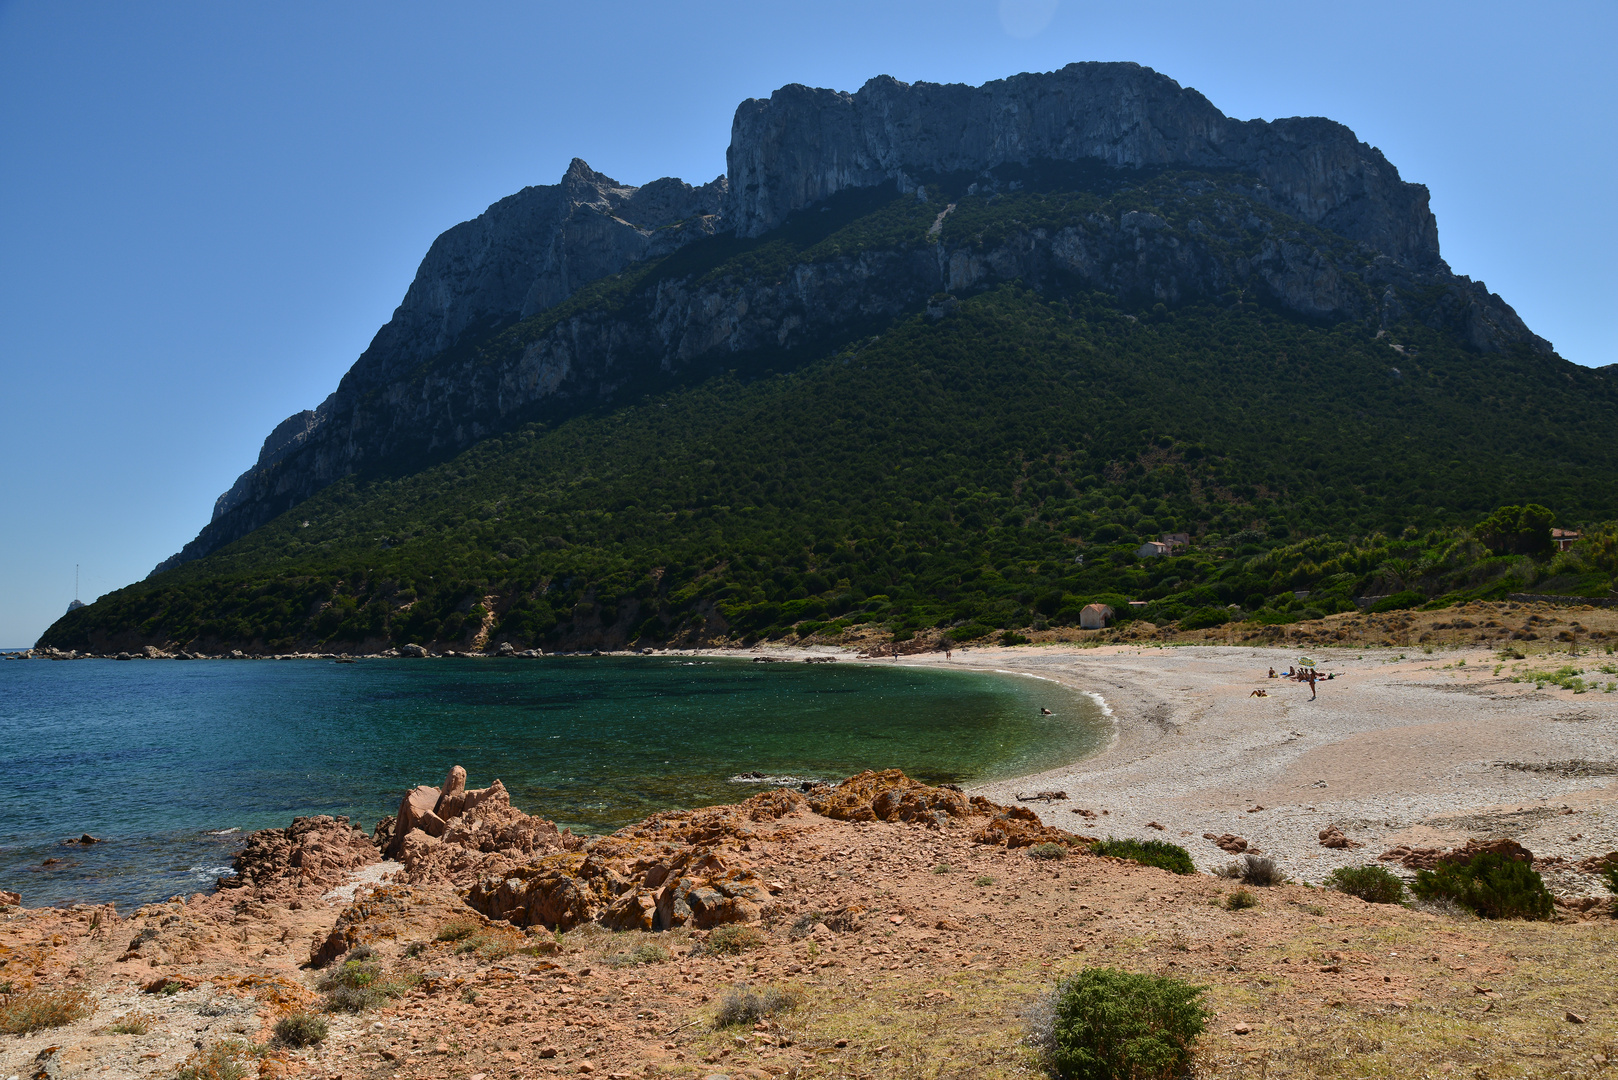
point(1417, 750)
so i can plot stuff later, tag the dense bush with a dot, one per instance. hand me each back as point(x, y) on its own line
point(1241, 900)
point(1104, 1024)
point(1491, 885)
point(1159, 853)
point(1047, 852)
point(1373, 884)
point(302, 1029)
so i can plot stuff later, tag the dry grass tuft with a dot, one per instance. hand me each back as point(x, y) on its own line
point(41, 1009)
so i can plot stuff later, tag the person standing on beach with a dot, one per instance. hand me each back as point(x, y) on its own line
point(1309, 677)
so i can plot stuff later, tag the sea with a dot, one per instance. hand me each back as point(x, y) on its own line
point(171, 763)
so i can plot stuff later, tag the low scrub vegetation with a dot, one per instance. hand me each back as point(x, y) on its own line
point(745, 1005)
point(220, 1060)
point(358, 985)
point(732, 939)
point(1048, 852)
point(1159, 853)
point(1105, 1024)
point(647, 952)
point(1373, 884)
point(302, 1029)
point(1241, 900)
point(41, 1009)
point(1490, 885)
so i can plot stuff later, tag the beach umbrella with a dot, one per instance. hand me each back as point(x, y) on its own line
point(1304, 661)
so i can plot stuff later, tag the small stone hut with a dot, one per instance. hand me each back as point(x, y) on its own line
point(1095, 617)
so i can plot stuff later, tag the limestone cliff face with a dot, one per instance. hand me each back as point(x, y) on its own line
point(803, 145)
point(524, 254)
point(413, 391)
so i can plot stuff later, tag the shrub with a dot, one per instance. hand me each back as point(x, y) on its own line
point(1409, 598)
point(943, 868)
point(218, 1061)
point(1373, 884)
point(1011, 637)
point(1240, 900)
point(732, 939)
point(457, 929)
point(1203, 618)
point(1159, 853)
point(132, 1024)
point(1047, 852)
point(1492, 885)
point(1261, 871)
point(302, 1029)
point(1104, 1024)
point(983, 881)
point(359, 985)
point(804, 924)
point(744, 1005)
point(647, 952)
point(41, 1009)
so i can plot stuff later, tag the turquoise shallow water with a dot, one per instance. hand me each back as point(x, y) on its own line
point(163, 758)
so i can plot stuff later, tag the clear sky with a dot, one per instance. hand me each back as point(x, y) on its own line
point(207, 210)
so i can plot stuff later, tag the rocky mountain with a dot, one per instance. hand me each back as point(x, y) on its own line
point(521, 256)
point(1297, 212)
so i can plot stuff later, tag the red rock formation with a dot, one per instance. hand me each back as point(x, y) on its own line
point(313, 853)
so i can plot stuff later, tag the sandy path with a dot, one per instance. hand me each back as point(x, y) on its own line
point(1393, 751)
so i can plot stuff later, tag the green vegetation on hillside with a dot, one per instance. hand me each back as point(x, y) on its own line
point(991, 468)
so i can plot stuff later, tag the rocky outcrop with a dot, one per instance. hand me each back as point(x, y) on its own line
point(1428, 858)
point(313, 854)
point(803, 145)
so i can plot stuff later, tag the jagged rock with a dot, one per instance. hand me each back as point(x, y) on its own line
point(888, 795)
point(804, 145)
point(313, 853)
point(1018, 826)
point(1333, 837)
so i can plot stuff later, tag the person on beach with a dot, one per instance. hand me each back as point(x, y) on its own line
point(1272, 673)
point(1309, 677)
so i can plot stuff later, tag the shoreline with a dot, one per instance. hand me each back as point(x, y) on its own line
point(1424, 751)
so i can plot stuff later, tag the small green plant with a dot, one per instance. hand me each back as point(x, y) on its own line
point(1159, 853)
point(1240, 900)
point(744, 1005)
point(217, 1061)
point(732, 939)
point(1048, 852)
point(1510, 654)
point(359, 985)
point(41, 1009)
point(130, 1024)
point(647, 952)
point(1373, 884)
point(302, 1029)
point(415, 949)
point(171, 987)
point(1491, 885)
point(469, 995)
point(983, 881)
point(943, 868)
point(456, 930)
point(1104, 1024)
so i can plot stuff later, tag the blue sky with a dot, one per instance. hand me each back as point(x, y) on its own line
point(207, 210)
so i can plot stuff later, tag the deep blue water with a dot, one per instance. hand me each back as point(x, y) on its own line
point(161, 758)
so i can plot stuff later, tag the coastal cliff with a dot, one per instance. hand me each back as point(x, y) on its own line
point(473, 349)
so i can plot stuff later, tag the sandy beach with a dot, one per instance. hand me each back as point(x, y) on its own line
point(1398, 748)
